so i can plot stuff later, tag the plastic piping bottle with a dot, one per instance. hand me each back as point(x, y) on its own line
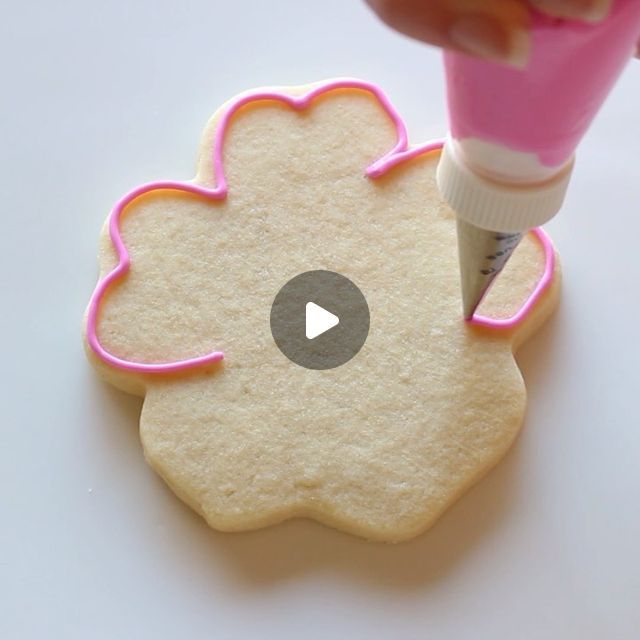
point(508, 158)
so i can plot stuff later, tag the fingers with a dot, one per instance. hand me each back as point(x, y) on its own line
point(588, 10)
point(496, 30)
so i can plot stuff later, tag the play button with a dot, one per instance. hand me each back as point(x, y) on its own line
point(319, 320)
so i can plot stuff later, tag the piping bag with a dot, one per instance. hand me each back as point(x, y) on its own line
point(507, 160)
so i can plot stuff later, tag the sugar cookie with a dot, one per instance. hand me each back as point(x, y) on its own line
point(290, 180)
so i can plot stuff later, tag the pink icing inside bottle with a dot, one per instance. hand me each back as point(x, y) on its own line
point(522, 126)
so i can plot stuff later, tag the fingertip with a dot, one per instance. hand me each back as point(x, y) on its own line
point(425, 21)
point(484, 37)
point(497, 31)
point(378, 6)
point(584, 10)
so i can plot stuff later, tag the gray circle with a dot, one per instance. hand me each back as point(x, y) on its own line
point(335, 294)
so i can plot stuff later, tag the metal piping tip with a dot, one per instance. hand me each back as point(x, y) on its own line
point(482, 254)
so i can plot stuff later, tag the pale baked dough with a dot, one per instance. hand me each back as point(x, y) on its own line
point(379, 446)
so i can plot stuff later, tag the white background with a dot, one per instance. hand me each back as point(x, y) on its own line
point(97, 97)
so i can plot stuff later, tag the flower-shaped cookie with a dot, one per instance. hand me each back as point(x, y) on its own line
point(288, 181)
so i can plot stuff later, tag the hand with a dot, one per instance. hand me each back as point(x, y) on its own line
point(493, 29)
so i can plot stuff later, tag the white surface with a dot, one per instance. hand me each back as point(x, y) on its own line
point(318, 320)
point(94, 546)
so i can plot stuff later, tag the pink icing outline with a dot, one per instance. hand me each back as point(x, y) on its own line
point(540, 288)
point(399, 153)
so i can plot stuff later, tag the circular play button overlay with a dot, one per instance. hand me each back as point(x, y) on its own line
point(319, 320)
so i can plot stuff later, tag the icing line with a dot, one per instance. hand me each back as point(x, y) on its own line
point(541, 286)
point(400, 152)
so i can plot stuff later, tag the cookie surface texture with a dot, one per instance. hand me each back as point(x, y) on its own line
point(379, 446)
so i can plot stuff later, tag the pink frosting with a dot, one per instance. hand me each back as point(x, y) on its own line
point(541, 286)
point(400, 152)
point(547, 107)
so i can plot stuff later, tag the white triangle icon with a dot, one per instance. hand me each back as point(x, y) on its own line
point(318, 320)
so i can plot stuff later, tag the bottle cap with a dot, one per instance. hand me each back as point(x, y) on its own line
point(496, 205)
